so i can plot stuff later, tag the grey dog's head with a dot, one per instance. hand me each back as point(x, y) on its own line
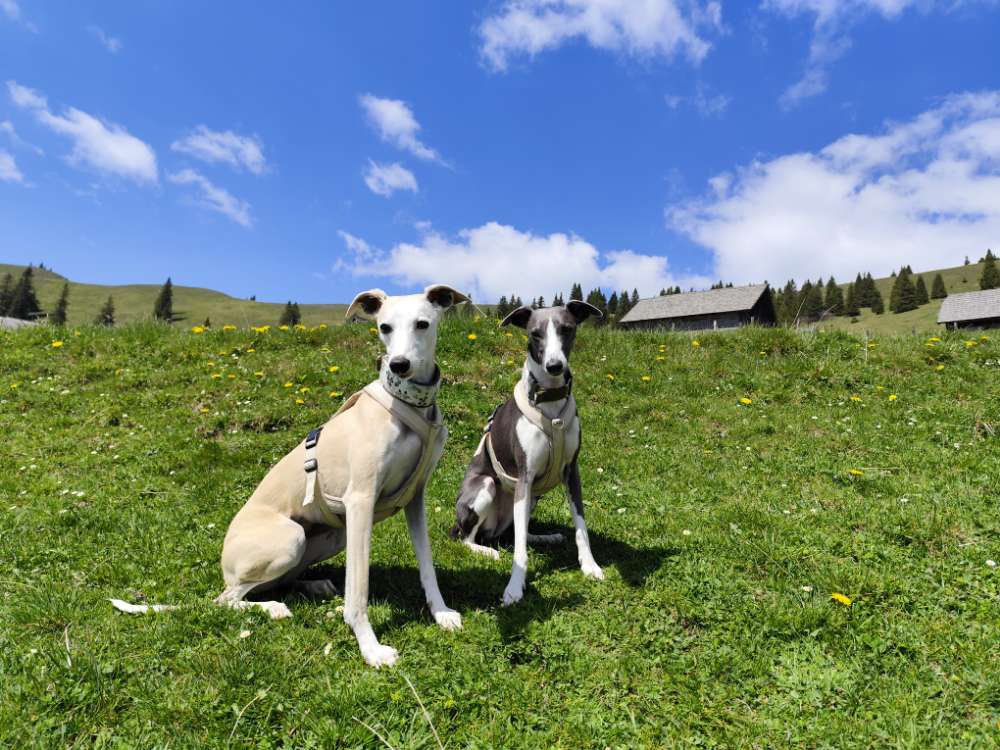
point(551, 332)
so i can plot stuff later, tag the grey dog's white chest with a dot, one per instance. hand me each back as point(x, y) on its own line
point(537, 446)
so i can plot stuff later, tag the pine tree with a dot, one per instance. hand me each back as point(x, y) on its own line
point(290, 316)
point(812, 302)
point(635, 298)
point(991, 274)
point(503, 307)
point(613, 306)
point(878, 306)
point(624, 303)
point(576, 292)
point(24, 303)
point(557, 301)
point(938, 290)
point(207, 323)
point(6, 293)
point(106, 317)
point(852, 307)
point(907, 297)
point(163, 308)
point(58, 316)
point(834, 300)
point(921, 288)
point(541, 301)
point(789, 302)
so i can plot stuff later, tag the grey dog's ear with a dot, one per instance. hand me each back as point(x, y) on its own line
point(518, 317)
point(581, 310)
point(444, 296)
point(366, 303)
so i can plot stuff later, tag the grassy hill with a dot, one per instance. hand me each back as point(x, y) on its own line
point(923, 319)
point(724, 527)
point(134, 302)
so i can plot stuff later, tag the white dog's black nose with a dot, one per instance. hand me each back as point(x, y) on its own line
point(399, 365)
point(554, 368)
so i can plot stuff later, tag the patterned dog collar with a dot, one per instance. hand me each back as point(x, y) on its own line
point(413, 393)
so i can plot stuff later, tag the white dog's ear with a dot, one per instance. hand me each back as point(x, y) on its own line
point(581, 310)
point(367, 304)
point(444, 296)
point(518, 317)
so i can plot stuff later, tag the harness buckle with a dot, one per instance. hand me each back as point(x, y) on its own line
point(313, 438)
point(311, 465)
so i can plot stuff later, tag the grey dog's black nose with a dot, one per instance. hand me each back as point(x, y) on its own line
point(554, 368)
point(399, 365)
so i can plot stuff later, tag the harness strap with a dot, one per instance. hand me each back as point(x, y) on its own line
point(311, 465)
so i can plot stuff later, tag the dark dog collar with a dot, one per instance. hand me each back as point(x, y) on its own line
point(540, 395)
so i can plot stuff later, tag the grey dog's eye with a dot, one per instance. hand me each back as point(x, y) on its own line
point(385, 328)
point(536, 334)
point(423, 325)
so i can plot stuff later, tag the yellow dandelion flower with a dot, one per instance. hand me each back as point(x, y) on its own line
point(228, 327)
point(299, 327)
point(695, 342)
point(373, 330)
point(299, 401)
point(970, 344)
point(282, 328)
point(855, 398)
point(259, 373)
point(216, 375)
point(204, 410)
point(251, 350)
point(661, 359)
point(335, 394)
point(321, 326)
point(838, 597)
point(304, 389)
point(984, 338)
point(892, 396)
point(610, 376)
point(197, 329)
point(77, 333)
point(746, 401)
point(333, 368)
point(646, 378)
point(934, 339)
point(14, 386)
point(222, 354)
point(471, 337)
point(509, 335)
point(856, 473)
point(231, 376)
point(763, 354)
point(939, 368)
point(57, 344)
point(871, 345)
point(289, 384)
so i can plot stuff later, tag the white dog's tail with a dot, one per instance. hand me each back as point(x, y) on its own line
point(140, 609)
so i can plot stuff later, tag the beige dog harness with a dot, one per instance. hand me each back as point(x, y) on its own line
point(426, 429)
point(554, 429)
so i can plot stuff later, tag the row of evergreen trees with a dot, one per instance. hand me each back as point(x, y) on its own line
point(613, 307)
point(19, 300)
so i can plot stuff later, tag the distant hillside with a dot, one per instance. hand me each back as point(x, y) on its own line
point(956, 280)
point(192, 305)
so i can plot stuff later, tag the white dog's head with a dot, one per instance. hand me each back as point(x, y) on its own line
point(408, 325)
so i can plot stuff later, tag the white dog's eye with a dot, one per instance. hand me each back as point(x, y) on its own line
point(385, 328)
point(423, 325)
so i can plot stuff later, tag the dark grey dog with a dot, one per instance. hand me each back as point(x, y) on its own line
point(530, 445)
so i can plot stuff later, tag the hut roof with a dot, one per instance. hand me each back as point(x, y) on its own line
point(688, 304)
point(970, 306)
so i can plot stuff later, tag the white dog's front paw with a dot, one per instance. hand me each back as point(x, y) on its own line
point(380, 656)
point(592, 570)
point(512, 594)
point(277, 610)
point(448, 619)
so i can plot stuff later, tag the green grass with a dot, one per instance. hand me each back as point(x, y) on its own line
point(923, 319)
point(134, 303)
point(723, 529)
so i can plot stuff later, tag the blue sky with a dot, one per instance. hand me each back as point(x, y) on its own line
point(309, 150)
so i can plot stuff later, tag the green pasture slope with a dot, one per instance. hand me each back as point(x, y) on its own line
point(922, 320)
point(724, 528)
point(134, 303)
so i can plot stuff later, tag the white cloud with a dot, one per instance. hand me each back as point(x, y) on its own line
point(225, 147)
point(8, 168)
point(102, 145)
point(495, 259)
point(10, 9)
point(830, 40)
point(640, 28)
point(385, 179)
point(7, 127)
point(214, 197)
point(395, 123)
point(922, 192)
point(705, 104)
point(111, 44)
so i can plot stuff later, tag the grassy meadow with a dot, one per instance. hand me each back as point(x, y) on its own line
point(734, 483)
